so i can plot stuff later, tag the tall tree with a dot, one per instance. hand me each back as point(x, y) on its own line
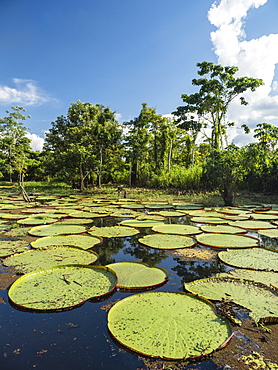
point(209, 106)
point(84, 143)
point(14, 144)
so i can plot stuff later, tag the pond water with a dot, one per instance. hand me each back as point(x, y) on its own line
point(79, 338)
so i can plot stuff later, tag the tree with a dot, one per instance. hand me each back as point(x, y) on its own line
point(14, 144)
point(267, 135)
point(209, 106)
point(84, 144)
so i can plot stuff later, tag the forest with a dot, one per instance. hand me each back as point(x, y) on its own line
point(186, 151)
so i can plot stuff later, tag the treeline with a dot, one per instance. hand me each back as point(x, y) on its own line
point(186, 151)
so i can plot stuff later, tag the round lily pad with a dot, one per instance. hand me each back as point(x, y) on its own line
point(51, 256)
point(132, 275)
point(226, 241)
point(56, 229)
point(141, 224)
point(226, 229)
point(265, 277)
point(40, 220)
point(167, 241)
point(61, 287)
point(262, 301)
point(208, 220)
point(81, 241)
point(13, 216)
point(251, 258)
point(169, 325)
point(81, 214)
point(168, 213)
point(113, 231)
point(177, 229)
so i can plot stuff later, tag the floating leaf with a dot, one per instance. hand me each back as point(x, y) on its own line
point(81, 241)
point(113, 231)
point(192, 254)
point(61, 287)
point(177, 229)
point(40, 220)
point(167, 241)
point(49, 257)
point(158, 205)
point(261, 300)
point(56, 229)
point(265, 277)
point(222, 229)
point(81, 214)
point(169, 325)
point(168, 213)
point(252, 224)
point(132, 275)
point(251, 258)
point(271, 233)
point(141, 224)
point(226, 241)
point(9, 247)
point(208, 220)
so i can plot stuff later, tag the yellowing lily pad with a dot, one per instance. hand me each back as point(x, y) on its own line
point(132, 275)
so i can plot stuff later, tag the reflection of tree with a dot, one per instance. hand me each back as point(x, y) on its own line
point(149, 256)
point(107, 249)
point(192, 270)
point(271, 243)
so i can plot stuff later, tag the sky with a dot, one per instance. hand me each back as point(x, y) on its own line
point(122, 53)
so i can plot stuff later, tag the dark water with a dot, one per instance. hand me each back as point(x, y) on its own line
point(79, 339)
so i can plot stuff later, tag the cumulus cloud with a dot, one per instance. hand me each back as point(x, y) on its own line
point(255, 58)
point(24, 92)
point(36, 142)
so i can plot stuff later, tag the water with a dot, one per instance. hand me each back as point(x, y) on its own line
point(79, 338)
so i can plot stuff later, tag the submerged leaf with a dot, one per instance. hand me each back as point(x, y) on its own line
point(169, 325)
point(9, 247)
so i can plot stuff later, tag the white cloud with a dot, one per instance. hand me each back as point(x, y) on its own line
point(25, 92)
point(36, 142)
point(255, 58)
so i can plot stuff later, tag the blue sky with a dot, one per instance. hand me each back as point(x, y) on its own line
point(122, 53)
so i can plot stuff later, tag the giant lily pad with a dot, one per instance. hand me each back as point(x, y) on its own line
point(253, 224)
point(61, 287)
point(169, 325)
point(261, 300)
point(208, 220)
point(168, 213)
point(81, 214)
point(251, 258)
point(37, 220)
point(270, 233)
point(56, 229)
point(113, 231)
point(8, 247)
point(167, 241)
point(265, 277)
point(226, 241)
point(141, 224)
point(81, 241)
point(49, 257)
point(223, 229)
point(176, 229)
point(132, 275)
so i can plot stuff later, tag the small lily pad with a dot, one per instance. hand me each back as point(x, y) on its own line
point(9, 247)
point(167, 241)
point(132, 275)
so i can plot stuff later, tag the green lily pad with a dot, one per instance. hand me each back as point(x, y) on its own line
point(132, 275)
point(56, 229)
point(208, 220)
point(158, 205)
point(271, 233)
point(141, 224)
point(265, 277)
point(176, 229)
point(167, 241)
point(40, 220)
point(145, 216)
point(168, 325)
point(9, 247)
point(13, 216)
point(253, 224)
point(226, 241)
point(113, 231)
point(251, 258)
point(261, 300)
point(81, 214)
point(61, 287)
point(220, 229)
point(81, 241)
point(49, 257)
point(168, 213)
